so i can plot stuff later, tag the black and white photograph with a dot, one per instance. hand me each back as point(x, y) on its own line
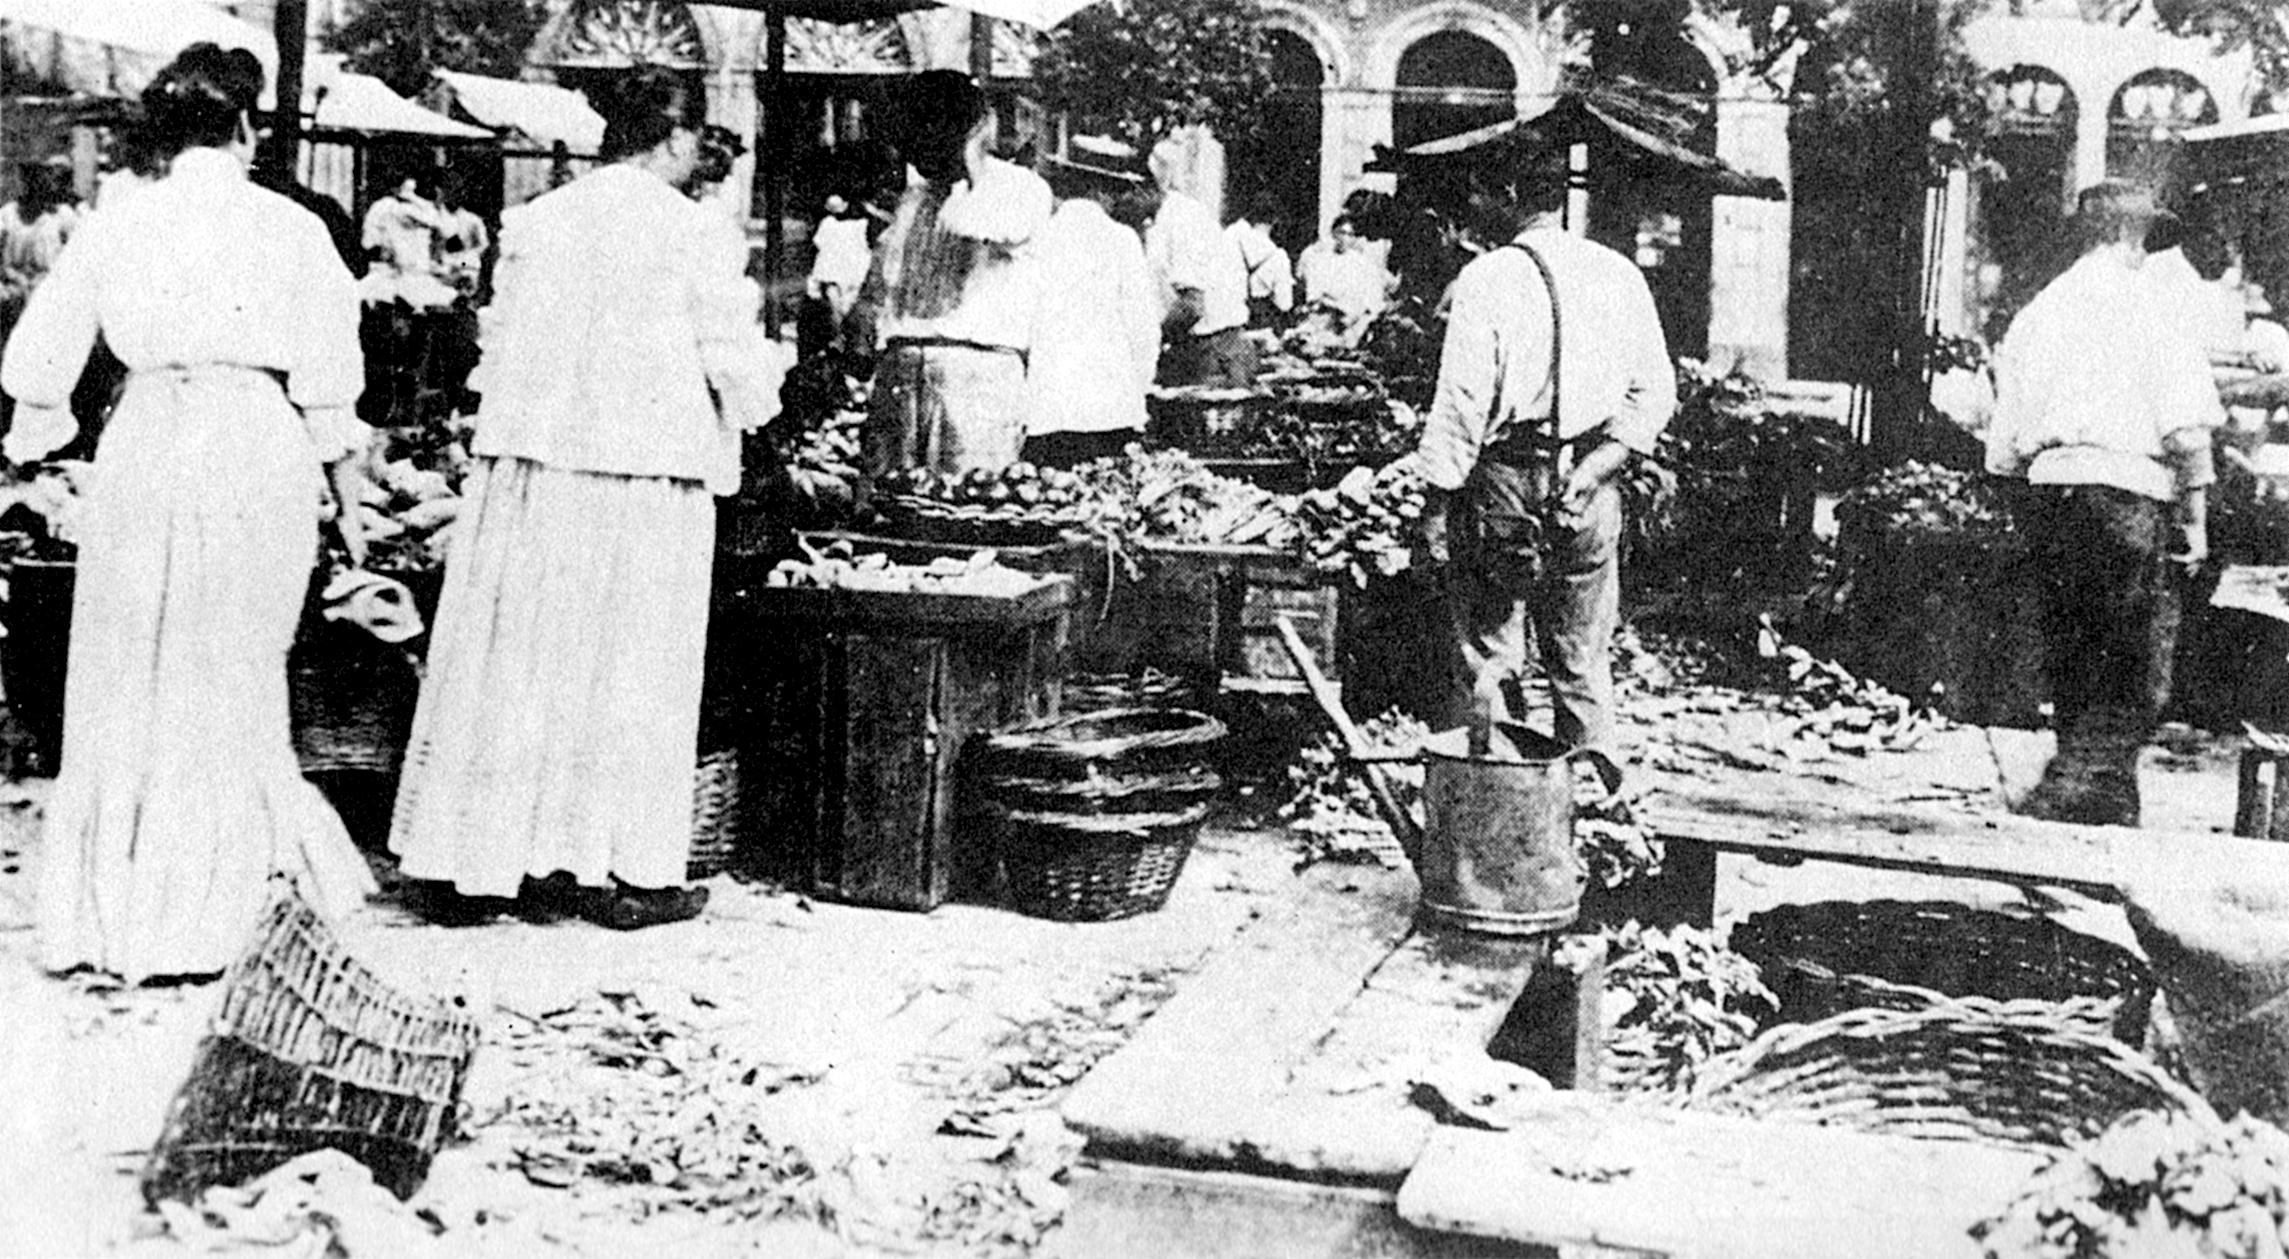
point(1144, 629)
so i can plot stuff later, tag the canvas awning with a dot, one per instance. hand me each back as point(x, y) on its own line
point(1619, 145)
point(114, 47)
point(359, 102)
point(540, 111)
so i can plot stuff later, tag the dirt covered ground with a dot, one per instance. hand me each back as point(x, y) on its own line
point(793, 1077)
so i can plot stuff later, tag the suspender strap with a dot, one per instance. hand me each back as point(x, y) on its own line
point(1530, 446)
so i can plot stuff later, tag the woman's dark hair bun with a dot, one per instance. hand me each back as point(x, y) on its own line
point(641, 108)
point(196, 101)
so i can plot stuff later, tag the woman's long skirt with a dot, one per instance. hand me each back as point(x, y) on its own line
point(179, 796)
point(559, 719)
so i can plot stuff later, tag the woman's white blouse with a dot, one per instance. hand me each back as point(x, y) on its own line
point(201, 268)
point(622, 315)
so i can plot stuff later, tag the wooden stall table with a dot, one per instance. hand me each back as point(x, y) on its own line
point(863, 699)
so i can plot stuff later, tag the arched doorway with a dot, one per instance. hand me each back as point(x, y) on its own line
point(832, 98)
point(2022, 212)
point(1277, 163)
point(596, 39)
point(1450, 82)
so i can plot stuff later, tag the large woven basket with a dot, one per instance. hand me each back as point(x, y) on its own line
point(2003, 1072)
point(1824, 958)
point(1139, 738)
point(312, 1050)
point(1095, 867)
point(714, 815)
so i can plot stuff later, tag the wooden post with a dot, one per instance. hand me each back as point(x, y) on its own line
point(771, 152)
point(1902, 393)
point(290, 27)
point(981, 49)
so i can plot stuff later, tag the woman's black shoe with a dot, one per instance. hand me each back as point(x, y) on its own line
point(439, 904)
point(626, 908)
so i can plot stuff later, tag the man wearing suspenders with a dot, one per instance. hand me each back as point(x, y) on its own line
point(1553, 373)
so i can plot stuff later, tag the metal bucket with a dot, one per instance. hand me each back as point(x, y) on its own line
point(1497, 850)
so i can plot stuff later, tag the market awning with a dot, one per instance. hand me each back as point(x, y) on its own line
point(1636, 153)
point(359, 102)
point(114, 47)
point(540, 111)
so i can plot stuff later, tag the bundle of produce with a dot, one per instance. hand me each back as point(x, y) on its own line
point(1334, 424)
point(836, 567)
point(2155, 1184)
point(1168, 496)
point(1015, 505)
point(1364, 525)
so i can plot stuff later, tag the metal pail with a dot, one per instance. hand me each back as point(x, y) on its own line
point(1497, 852)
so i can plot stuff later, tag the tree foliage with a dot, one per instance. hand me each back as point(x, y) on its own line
point(1144, 67)
point(2261, 26)
point(401, 41)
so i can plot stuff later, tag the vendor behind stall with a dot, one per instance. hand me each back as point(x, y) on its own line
point(1204, 282)
point(951, 296)
point(1096, 332)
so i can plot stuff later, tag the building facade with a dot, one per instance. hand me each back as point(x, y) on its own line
point(2074, 99)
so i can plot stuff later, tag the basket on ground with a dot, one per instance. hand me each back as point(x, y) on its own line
point(1095, 867)
point(1824, 958)
point(312, 1050)
point(714, 815)
point(1094, 814)
point(2012, 1073)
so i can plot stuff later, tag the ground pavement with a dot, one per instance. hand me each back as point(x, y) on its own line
point(784, 1076)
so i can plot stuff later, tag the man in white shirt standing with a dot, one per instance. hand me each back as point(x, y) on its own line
point(1553, 373)
point(1096, 333)
point(1271, 276)
point(1204, 283)
point(2105, 405)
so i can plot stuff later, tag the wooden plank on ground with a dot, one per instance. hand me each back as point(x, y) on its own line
point(1293, 1051)
point(1588, 1171)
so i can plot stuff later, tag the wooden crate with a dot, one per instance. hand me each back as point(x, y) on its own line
point(1269, 590)
point(863, 700)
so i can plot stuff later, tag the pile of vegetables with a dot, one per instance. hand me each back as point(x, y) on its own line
point(1919, 501)
point(1674, 999)
point(412, 494)
point(836, 566)
point(1169, 496)
point(1365, 525)
point(823, 469)
point(2154, 1185)
point(1332, 810)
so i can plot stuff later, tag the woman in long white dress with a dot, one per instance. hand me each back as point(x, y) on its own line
point(559, 719)
point(179, 794)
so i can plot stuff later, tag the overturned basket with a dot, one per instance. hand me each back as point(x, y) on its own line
point(1833, 956)
point(1094, 814)
point(312, 1050)
point(2004, 1072)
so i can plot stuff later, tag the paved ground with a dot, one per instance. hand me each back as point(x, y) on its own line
point(726, 1086)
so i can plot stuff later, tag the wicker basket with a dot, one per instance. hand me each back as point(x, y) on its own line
point(311, 1051)
point(1106, 792)
point(1833, 956)
point(714, 815)
point(1133, 738)
point(1098, 692)
point(2004, 1072)
point(1094, 867)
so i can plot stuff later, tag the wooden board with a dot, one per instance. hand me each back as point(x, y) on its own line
point(1589, 1171)
point(1788, 826)
point(1294, 1051)
point(889, 610)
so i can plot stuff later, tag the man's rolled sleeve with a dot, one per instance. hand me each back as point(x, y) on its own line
point(1462, 406)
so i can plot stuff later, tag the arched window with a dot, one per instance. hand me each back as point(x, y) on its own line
point(2145, 116)
point(2023, 240)
point(1448, 83)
